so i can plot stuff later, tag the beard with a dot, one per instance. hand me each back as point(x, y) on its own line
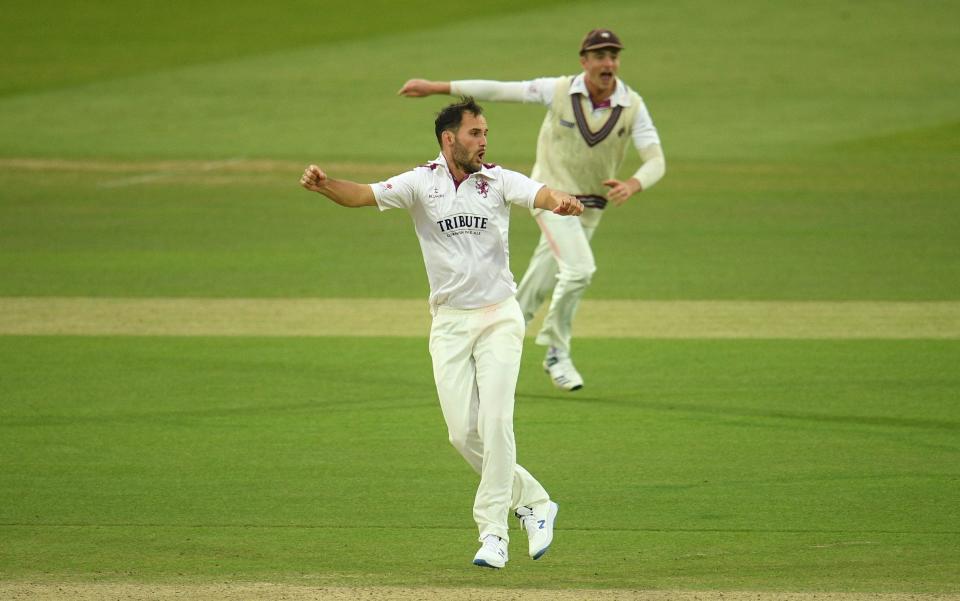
point(461, 157)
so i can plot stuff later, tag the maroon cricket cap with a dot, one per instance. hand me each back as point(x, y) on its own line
point(600, 38)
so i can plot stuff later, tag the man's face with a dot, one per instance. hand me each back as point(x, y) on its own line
point(470, 143)
point(600, 69)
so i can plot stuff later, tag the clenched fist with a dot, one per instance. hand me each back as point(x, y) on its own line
point(313, 179)
point(568, 205)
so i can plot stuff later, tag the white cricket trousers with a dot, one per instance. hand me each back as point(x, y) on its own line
point(476, 361)
point(562, 262)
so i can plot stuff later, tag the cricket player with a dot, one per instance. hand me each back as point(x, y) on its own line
point(591, 120)
point(461, 209)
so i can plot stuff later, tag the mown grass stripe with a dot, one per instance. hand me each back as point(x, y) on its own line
point(410, 317)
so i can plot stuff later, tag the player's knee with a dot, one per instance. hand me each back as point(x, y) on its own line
point(577, 274)
point(501, 422)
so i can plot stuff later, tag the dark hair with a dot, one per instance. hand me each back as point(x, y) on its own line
point(452, 115)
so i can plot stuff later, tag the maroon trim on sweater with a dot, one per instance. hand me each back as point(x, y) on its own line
point(592, 138)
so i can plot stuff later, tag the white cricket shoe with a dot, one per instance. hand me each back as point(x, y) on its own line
point(538, 522)
point(493, 552)
point(561, 370)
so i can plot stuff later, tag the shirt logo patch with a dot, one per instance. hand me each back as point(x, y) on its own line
point(482, 187)
point(461, 224)
point(435, 194)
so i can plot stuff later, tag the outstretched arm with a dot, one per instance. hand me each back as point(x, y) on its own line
point(481, 89)
point(418, 88)
point(560, 203)
point(343, 192)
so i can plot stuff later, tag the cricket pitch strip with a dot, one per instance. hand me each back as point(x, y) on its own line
point(94, 316)
point(24, 591)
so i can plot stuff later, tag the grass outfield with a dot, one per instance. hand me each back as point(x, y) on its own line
point(150, 154)
point(751, 230)
point(737, 465)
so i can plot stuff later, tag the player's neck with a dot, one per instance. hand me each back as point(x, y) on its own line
point(456, 172)
point(599, 96)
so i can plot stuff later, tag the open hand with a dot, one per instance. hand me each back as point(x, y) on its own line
point(417, 88)
point(621, 191)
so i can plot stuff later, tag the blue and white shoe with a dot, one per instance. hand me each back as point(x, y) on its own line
point(561, 370)
point(492, 554)
point(538, 522)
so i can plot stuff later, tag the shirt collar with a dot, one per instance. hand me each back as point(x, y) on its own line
point(620, 96)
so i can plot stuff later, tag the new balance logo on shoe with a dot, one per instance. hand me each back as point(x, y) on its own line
point(538, 522)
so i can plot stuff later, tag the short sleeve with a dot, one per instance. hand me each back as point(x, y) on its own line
point(398, 192)
point(519, 189)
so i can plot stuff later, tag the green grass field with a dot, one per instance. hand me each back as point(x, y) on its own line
point(153, 151)
point(768, 464)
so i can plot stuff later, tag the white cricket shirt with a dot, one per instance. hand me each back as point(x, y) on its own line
point(463, 230)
